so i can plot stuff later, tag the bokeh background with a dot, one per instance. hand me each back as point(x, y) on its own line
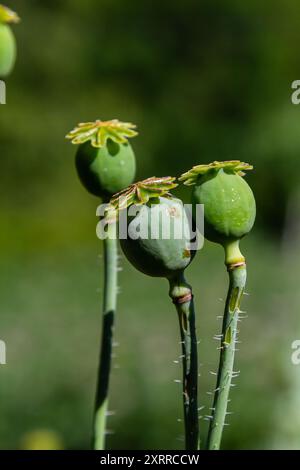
point(203, 80)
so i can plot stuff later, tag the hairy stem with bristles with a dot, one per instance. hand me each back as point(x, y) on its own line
point(237, 280)
point(181, 294)
point(109, 308)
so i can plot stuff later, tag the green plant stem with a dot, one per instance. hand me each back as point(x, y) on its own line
point(109, 308)
point(181, 294)
point(237, 281)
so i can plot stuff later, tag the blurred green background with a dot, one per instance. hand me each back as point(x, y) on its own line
point(203, 81)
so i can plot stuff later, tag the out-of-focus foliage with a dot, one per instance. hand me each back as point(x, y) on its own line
point(204, 81)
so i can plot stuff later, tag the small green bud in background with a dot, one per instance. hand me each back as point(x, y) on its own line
point(155, 255)
point(229, 204)
point(105, 161)
point(8, 49)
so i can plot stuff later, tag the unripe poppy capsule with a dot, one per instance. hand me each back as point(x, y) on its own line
point(105, 161)
point(105, 164)
point(158, 241)
point(229, 204)
point(8, 48)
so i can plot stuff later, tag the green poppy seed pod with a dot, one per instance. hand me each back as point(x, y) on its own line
point(8, 49)
point(229, 204)
point(158, 257)
point(157, 242)
point(162, 246)
point(105, 171)
point(105, 161)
